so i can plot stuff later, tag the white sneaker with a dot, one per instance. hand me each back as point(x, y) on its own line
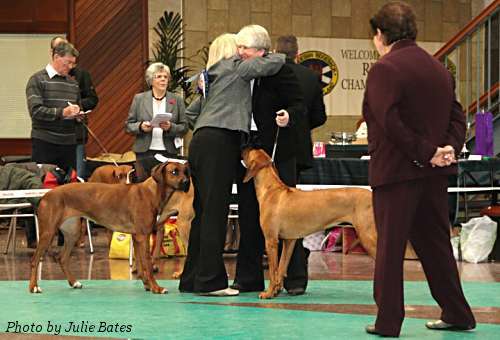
point(222, 292)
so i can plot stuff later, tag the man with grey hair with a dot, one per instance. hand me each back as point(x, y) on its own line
point(54, 104)
point(89, 101)
point(276, 104)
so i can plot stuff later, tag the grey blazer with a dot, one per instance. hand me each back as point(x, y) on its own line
point(142, 110)
point(229, 101)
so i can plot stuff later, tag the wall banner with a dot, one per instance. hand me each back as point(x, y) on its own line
point(342, 66)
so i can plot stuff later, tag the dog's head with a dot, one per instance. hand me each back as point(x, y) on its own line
point(172, 174)
point(112, 174)
point(123, 173)
point(254, 160)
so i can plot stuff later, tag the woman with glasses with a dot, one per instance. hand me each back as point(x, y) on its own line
point(157, 119)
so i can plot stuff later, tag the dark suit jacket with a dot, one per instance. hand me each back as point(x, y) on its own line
point(410, 109)
point(315, 114)
point(271, 94)
point(89, 100)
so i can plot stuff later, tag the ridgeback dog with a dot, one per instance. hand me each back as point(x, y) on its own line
point(288, 213)
point(130, 208)
point(111, 174)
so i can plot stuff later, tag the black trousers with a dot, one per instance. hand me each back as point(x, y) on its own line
point(249, 271)
point(146, 161)
point(214, 155)
point(415, 210)
point(64, 156)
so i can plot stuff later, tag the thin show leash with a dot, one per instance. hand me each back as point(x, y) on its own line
point(275, 144)
point(98, 141)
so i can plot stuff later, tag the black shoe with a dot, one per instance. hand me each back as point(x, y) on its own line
point(245, 289)
point(440, 325)
point(370, 329)
point(296, 291)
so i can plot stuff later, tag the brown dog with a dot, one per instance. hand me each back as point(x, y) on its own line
point(111, 174)
point(130, 208)
point(289, 214)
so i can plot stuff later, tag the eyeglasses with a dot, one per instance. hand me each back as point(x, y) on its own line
point(69, 63)
point(160, 76)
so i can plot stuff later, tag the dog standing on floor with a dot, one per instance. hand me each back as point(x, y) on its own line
point(288, 213)
point(130, 208)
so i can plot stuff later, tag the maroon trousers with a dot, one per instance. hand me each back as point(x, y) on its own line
point(415, 210)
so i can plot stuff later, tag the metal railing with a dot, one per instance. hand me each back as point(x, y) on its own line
point(473, 57)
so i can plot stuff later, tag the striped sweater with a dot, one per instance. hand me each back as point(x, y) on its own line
point(47, 97)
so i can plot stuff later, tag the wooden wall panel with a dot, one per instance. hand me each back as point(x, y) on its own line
point(34, 16)
point(111, 37)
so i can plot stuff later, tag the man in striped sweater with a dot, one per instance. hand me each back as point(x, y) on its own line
point(53, 103)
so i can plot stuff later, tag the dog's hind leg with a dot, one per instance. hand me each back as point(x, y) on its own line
point(286, 254)
point(272, 256)
point(160, 233)
point(47, 232)
point(71, 229)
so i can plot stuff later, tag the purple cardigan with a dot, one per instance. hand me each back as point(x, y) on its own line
point(410, 109)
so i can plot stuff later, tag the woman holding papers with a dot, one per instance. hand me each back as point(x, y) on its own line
point(221, 118)
point(157, 119)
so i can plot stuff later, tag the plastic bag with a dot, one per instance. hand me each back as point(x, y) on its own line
point(120, 246)
point(477, 239)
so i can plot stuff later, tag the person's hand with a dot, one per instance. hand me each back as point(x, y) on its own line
point(146, 126)
point(444, 156)
point(165, 126)
point(282, 118)
point(71, 110)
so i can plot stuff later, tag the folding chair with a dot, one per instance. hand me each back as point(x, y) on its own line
point(14, 214)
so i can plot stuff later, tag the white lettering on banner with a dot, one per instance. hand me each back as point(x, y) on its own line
point(352, 59)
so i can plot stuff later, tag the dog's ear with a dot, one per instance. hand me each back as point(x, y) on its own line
point(157, 173)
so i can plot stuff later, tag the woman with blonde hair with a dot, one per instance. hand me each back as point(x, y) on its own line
point(221, 119)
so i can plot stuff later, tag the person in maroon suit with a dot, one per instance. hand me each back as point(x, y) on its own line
point(415, 125)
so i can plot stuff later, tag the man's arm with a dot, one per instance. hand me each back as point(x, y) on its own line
point(87, 92)
point(289, 89)
point(317, 112)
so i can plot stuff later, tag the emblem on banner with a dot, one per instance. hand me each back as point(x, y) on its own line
point(324, 66)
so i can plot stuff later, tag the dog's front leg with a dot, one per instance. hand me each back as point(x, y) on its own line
point(286, 254)
point(144, 258)
point(272, 257)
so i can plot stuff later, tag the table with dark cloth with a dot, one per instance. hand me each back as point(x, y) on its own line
point(354, 171)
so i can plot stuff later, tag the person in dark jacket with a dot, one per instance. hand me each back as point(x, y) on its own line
point(315, 114)
point(415, 127)
point(279, 93)
point(88, 102)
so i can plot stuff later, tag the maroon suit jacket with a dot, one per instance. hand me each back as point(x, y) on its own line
point(410, 109)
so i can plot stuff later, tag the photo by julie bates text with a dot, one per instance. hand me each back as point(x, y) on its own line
point(67, 327)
